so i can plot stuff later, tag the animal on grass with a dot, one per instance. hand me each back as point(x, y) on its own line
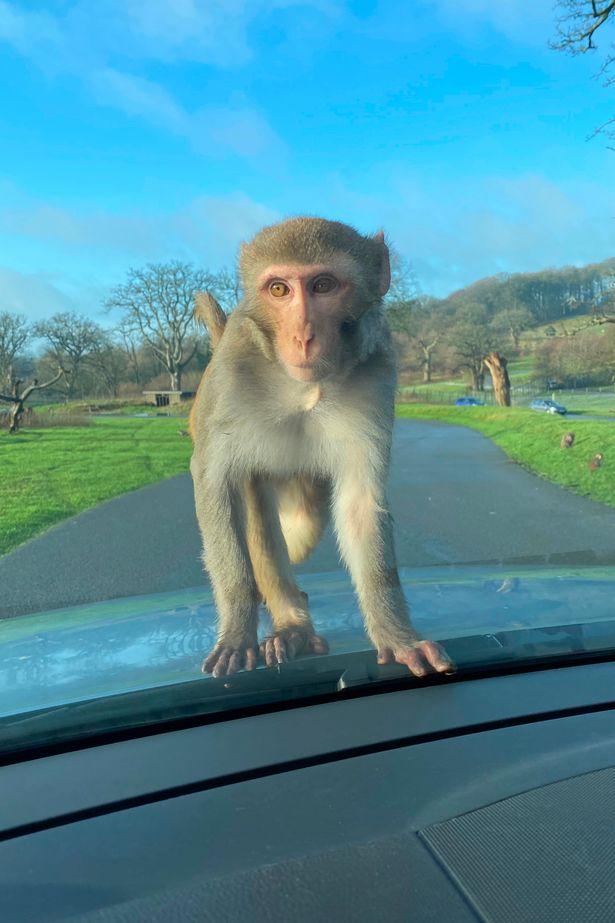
point(292, 424)
point(596, 462)
point(567, 441)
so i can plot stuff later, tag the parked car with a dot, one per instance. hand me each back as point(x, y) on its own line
point(547, 406)
point(469, 402)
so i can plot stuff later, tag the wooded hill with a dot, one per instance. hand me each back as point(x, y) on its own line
point(549, 295)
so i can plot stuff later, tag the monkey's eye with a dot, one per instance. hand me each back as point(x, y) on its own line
point(323, 285)
point(278, 289)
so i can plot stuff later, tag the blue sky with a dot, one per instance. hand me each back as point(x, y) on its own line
point(134, 132)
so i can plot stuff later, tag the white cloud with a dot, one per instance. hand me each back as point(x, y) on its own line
point(460, 230)
point(215, 225)
point(207, 229)
point(37, 295)
point(527, 21)
point(454, 231)
point(105, 44)
point(81, 253)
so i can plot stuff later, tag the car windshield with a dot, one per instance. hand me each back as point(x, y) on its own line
point(307, 352)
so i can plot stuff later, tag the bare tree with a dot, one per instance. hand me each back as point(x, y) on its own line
point(472, 339)
point(512, 321)
point(226, 286)
point(158, 303)
point(14, 335)
point(577, 28)
point(108, 361)
point(71, 339)
point(130, 343)
point(18, 398)
point(426, 329)
point(403, 295)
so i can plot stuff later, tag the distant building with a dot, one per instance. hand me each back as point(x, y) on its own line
point(167, 398)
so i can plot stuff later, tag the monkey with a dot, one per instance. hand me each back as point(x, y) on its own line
point(567, 441)
point(292, 423)
point(596, 461)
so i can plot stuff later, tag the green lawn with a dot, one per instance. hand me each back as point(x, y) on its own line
point(49, 474)
point(521, 370)
point(108, 405)
point(533, 440)
point(592, 402)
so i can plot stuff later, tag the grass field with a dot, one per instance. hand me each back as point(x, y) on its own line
point(50, 474)
point(110, 405)
point(533, 440)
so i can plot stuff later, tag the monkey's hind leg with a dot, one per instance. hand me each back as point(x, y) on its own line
point(293, 629)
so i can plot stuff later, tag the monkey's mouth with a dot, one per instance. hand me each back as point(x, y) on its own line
point(305, 371)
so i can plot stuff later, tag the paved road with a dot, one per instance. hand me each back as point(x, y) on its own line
point(456, 499)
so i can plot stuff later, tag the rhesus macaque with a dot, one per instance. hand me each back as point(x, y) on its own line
point(596, 461)
point(567, 441)
point(293, 420)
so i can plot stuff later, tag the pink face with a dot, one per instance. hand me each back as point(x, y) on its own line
point(309, 306)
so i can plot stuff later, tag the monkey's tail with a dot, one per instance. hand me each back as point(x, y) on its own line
point(208, 311)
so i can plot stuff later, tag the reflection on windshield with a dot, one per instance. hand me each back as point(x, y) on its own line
point(72, 655)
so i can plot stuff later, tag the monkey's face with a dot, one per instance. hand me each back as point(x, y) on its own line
point(313, 309)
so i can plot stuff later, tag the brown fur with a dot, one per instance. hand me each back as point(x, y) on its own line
point(279, 445)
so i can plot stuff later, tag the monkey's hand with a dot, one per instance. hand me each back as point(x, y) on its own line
point(421, 657)
point(285, 644)
point(229, 658)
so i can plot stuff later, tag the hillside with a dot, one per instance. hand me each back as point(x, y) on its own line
point(551, 295)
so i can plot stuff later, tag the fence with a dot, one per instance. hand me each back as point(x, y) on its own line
point(521, 395)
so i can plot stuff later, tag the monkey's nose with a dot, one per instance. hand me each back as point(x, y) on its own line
point(303, 340)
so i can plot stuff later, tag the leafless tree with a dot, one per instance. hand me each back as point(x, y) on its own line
point(403, 296)
point(71, 339)
point(17, 399)
point(226, 286)
point(130, 343)
point(157, 302)
point(472, 339)
point(512, 321)
point(426, 329)
point(108, 362)
point(14, 335)
point(577, 27)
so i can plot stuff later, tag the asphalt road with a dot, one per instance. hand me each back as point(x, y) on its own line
point(456, 499)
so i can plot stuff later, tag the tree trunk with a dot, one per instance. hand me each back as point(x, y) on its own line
point(176, 380)
point(499, 376)
point(478, 378)
point(15, 415)
point(427, 367)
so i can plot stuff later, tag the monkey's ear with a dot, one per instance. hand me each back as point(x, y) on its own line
point(384, 282)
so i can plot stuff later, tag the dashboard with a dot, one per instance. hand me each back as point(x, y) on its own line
point(490, 798)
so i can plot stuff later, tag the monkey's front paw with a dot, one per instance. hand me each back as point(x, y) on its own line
point(421, 658)
point(286, 644)
point(227, 658)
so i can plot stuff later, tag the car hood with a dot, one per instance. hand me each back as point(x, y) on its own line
point(121, 645)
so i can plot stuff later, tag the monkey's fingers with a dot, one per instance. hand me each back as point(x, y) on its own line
point(437, 657)
point(421, 658)
point(225, 660)
point(285, 645)
point(412, 657)
point(318, 645)
point(280, 647)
